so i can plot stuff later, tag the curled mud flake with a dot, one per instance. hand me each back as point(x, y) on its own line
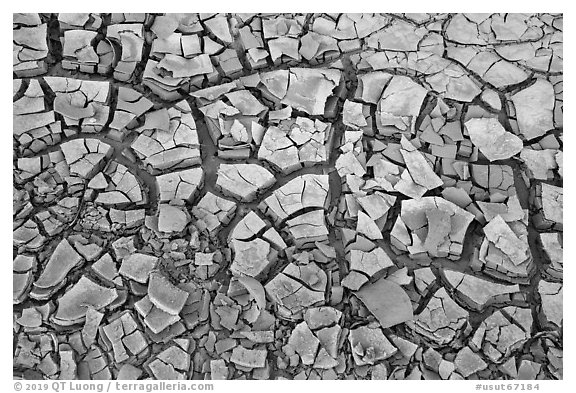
point(369, 345)
point(54, 274)
point(308, 89)
point(212, 212)
point(492, 139)
point(505, 248)
point(442, 322)
point(399, 106)
point(252, 258)
point(244, 181)
point(534, 109)
point(552, 245)
point(387, 301)
point(540, 163)
point(468, 362)
point(173, 363)
point(138, 267)
point(292, 293)
point(72, 307)
point(479, 293)
point(30, 49)
point(548, 202)
point(180, 185)
point(502, 333)
point(551, 297)
point(164, 295)
point(166, 146)
point(431, 227)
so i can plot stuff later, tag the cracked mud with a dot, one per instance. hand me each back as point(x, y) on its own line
point(287, 196)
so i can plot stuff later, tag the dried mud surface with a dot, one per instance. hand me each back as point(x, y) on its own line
point(287, 196)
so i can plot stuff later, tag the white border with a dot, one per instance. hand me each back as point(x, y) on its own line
point(6, 383)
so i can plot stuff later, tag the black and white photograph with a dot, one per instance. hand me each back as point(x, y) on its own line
point(286, 196)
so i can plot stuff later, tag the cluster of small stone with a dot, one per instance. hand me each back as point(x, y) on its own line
point(287, 196)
